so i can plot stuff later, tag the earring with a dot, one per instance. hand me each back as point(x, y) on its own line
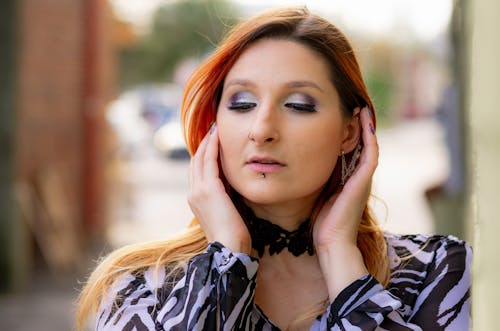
point(347, 171)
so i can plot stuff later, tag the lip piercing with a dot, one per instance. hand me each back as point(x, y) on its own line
point(263, 175)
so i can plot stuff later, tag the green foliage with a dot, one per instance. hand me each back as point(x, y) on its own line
point(180, 29)
point(381, 90)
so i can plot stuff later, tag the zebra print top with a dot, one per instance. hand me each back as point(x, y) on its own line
point(428, 291)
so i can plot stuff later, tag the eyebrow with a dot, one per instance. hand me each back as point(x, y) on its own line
point(291, 84)
point(242, 82)
point(303, 83)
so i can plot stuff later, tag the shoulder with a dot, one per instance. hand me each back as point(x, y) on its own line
point(134, 295)
point(412, 243)
point(427, 248)
point(151, 281)
point(430, 274)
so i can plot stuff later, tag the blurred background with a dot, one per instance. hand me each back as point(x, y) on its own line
point(91, 150)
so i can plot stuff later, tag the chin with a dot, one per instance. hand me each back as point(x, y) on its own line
point(262, 193)
point(252, 189)
point(260, 199)
point(261, 196)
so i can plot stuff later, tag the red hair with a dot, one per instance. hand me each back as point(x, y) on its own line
point(204, 88)
point(199, 107)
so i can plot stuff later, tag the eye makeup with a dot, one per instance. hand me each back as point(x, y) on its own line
point(301, 102)
point(297, 102)
point(242, 101)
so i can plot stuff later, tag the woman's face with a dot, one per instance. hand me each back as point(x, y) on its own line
point(280, 124)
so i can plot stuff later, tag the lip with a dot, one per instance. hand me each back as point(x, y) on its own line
point(264, 164)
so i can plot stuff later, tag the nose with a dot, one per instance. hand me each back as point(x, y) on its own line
point(264, 128)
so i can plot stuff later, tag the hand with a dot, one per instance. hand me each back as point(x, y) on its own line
point(339, 219)
point(336, 227)
point(210, 202)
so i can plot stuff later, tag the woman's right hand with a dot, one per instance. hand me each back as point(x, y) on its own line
point(209, 201)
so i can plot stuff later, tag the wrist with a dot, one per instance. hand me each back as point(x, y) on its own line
point(335, 238)
point(237, 244)
point(239, 247)
point(341, 263)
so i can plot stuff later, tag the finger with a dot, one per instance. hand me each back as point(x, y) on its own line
point(369, 156)
point(196, 164)
point(190, 175)
point(210, 165)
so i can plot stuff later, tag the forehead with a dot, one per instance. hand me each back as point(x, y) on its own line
point(278, 61)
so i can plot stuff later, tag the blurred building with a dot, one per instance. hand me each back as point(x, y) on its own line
point(57, 70)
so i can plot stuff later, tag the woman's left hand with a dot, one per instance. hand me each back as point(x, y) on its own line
point(339, 219)
point(336, 227)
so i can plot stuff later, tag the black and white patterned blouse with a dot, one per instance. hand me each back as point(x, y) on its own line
point(429, 291)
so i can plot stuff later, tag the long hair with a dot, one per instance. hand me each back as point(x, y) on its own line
point(201, 98)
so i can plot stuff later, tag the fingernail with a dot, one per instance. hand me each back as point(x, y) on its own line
point(372, 130)
point(368, 112)
point(212, 128)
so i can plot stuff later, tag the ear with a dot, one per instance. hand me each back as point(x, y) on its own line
point(352, 132)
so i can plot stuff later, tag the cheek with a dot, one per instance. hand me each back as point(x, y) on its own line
point(319, 162)
point(320, 153)
point(226, 155)
point(228, 146)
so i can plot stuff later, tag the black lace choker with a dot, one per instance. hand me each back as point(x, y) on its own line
point(265, 233)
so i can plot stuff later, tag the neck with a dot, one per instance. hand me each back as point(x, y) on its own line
point(287, 215)
point(273, 239)
point(287, 264)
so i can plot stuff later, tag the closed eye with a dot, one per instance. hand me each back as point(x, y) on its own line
point(301, 107)
point(242, 106)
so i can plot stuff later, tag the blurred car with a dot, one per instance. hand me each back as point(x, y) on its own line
point(169, 140)
point(132, 130)
point(148, 116)
point(160, 104)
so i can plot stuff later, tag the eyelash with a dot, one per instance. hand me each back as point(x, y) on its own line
point(242, 106)
point(298, 107)
point(301, 107)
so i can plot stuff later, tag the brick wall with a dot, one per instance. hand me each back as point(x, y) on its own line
point(53, 103)
point(50, 78)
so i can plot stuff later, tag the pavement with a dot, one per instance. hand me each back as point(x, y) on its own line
point(148, 202)
point(46, 304)
point(413, 158)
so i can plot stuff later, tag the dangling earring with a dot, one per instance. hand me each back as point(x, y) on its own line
point(348, 171)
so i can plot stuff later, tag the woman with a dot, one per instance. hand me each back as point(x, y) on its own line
point(282, 133)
